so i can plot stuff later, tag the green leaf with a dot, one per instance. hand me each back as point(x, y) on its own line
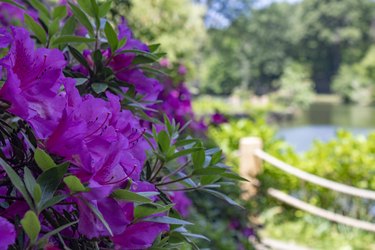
point(57, 230)
point(16, 181)
point(164, 141)
point(143, 60)
point(111, 36)
point(216, 157)
point(69, 26)
point(51, 202)
point(209, 171)
point(29, 181)
point(183, 152)
point(72, 39)
point(222, 196)
point(122, 42)
point(154, 47)
point(197, 236)
point(40, 7)
point(185, 142)
point(38, 31)
point(43, 160)
point(79, 57)
point(95, 9)
point(99, 87)
point(168, 220)
point(50, 180)
point(104, 8)
point(209, 179)
point(86, 6)
point(148, 209)
point(123, 194)
point(31, 225)
point(14, 3)
point(59, 12)
point(139, 53)
point(198, 158)
point(37, 193)
point(74, 184)
point(80, 81)
point(234, 177)
point(82, 18)
point(53, 27)
point(99, 215)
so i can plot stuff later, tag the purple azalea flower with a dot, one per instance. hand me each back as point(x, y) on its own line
point(149, 88)
point(113, 213)
point(8, 234)
point(131, 42)
point(218, 119)
point(33, 81)
point(140, 235)
point(182, 70)
point(182, 203)
point(12, 15)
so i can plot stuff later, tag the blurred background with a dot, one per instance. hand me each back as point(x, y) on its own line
point(300, 74)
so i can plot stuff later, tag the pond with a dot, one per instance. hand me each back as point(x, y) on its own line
point(321, 121)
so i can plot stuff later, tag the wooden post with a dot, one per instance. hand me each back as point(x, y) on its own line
point(250, 164)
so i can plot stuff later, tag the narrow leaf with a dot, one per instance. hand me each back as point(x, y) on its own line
point(79, 57)
point(72, 39)
point(16, 181)
point(38, 31)
point(59, 12)
point(37, 4)
point(99, 215)
point(122, 194)
point(222, 196)
point(82, 18)
point(148, 209)
point(50, 180)
point(104, 8)
point(168, 220)
point(57, 230)
point(111, 36)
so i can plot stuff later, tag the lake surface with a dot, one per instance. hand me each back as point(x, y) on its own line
point(321, 121)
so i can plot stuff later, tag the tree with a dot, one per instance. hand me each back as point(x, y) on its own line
point(331, 32)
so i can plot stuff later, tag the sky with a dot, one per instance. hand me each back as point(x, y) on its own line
point(216, 19)
point(264, 3)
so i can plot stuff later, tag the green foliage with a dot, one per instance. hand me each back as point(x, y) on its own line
point(346, 159)
point(176, 24)
point(253, 51)
point(295, 87)
point(355, 83)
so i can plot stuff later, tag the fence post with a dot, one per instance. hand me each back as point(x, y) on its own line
point(250, 164)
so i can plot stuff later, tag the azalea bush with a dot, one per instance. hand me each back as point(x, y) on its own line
point(94, 150)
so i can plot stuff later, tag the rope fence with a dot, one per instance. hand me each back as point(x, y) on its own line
point(251, 157)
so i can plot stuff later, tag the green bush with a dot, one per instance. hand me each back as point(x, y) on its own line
point(346, 159)
point(355, 83)
point(295, 87)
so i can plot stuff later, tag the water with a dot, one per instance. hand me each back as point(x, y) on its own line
point(321, 121)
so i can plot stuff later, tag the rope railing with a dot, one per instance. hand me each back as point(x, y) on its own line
point(339, 187)
point(364, 225)
point(251, 157)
